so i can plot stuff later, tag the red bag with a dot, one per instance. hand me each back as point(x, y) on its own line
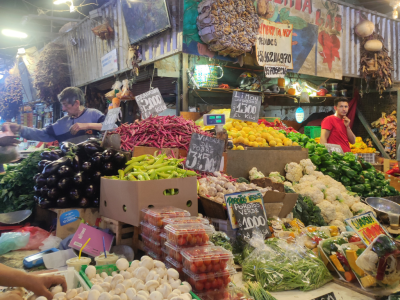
point(38, 235)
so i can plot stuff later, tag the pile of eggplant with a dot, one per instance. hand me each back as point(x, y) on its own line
point(70, 176)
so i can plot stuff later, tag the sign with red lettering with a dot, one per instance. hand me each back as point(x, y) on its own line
point(274, 44)
point(367, 227)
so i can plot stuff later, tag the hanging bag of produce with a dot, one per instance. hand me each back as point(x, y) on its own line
point(126, 93)
point(116, 87)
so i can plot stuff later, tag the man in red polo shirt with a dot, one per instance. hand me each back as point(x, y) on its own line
point(336, 129)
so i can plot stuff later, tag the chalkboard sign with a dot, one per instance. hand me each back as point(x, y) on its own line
point(205, 153)
point(334, 148)
point(247, 212)
point(111, 118)
point(151, 103)
point(245, 107)
point(329, 296)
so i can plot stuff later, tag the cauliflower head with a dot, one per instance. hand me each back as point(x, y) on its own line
point(255, 174)
point(333, 194)
point(318, 174)
point(322, 187)
point(276, 177)
point(314, 193)
point(338, 224)
point(342, 208)
point(308, 166)
point(328, 211)
point(348, 199)
point(308, 178)
point(288, 183)
point(359, 208)
point(294, 172)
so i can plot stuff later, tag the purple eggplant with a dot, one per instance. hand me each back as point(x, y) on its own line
point(54, 155)
point(45, 203)
point(65, 171)
point(52, 193)
point(94, 140)
point(119, 160)
point(45, 155)
point(65, 183)
point(108, 168)
point(96, 177)
point(84, 202)
point(63, 202)
point(90, 191)
point(76, 165)
point(96, 161)
point(91, 149)
point(87, 166)
point(78, 180)
point(108, 154)
point(36, 176)
point(74, 194)
point(41, 181)
point(96, 202)
point(37, 190)
point(36, 199)
point(42, 164)
point(52, 181)
point(67, 147)
point(44, 190)
point(53, 167)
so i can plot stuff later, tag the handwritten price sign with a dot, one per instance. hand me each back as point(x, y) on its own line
point(151, 103)
point(245, 107)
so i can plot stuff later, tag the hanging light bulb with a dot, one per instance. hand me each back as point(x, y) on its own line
point(395, 13)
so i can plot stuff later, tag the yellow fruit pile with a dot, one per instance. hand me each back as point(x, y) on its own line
point(255, 135)
point(361, 147)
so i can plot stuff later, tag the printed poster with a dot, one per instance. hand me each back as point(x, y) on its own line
point(367, 227)
point(274, 45)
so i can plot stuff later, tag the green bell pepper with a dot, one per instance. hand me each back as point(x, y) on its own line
point(345, 180)
point(366, 180)
point(334, 169)
point(310, 147)
point(349, 158)
point(358, 188)
point(316, 160)
point(348, 172)
point(367, 166)
point(343, 163)
point(380, 176)
point(367, 187)
point(320, 146)
point(359, 179)
point(333, 175)
point(304, 139)
point(323, 170)
point(320, 151)
point(356, 166)
point(337, 155)
point(326, 157)
point(368, 175)
point(348, 188)
point(327, 163)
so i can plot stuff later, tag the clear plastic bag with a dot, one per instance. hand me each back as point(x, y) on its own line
point(37, 236)
point(10, 241)
point(126, 93)
point(50, 242)
point(279, 266)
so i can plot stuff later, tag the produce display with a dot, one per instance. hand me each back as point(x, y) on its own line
point(357, 175)
point(70, 176)
point(387, 127)
point(258, 293)
point(188, 234)
point(17, 184)
point(185, 220)
point(277, 125)
point(159, 132)
point(215, 187)
point(206, 282)
point(155, 216)
point(361, 147)
point(219, 238)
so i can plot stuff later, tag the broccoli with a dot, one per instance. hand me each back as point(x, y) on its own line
point(307, 212)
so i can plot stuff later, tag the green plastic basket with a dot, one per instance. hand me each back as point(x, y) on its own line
point(109, 269)
point(312, 131)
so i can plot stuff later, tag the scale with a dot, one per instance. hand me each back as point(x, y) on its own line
point(388, 207)
point(217, 120)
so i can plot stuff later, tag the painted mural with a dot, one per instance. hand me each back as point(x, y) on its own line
point(317, 33)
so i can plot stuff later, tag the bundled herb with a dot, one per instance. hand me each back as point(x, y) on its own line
point(17, 183)
point(220, 238)
point(257, 292)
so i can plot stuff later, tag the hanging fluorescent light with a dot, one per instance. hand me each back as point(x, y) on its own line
point(395, 14)
point(56, 2)
point(21, 51)
point(13, 33)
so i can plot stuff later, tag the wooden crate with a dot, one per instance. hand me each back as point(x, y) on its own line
point(120, 229)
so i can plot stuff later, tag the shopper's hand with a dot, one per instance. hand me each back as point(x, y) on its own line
point(9, 140)
point(346, 121)
point(40, 285)
point(7, 126)
point(11, 295)
point(77, 127)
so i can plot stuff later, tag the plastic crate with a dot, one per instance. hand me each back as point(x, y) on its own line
point(368, 157)
point(312, 131)
point(224, 226)
point(72, 277)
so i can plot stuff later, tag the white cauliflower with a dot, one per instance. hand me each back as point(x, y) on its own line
point(308, 178)
point(359, 208)
point(340, 217)
point(319, 185)
point(288, 183)
point(333, 194)
point(314, 193)
point(328, 211)
point(308, 166)
point(294, 172)
point(343, 209)
point(368, 261)
point(254, 174)
point(318, 174)
point(348, 199)
point(339, 224)
point(276, 177)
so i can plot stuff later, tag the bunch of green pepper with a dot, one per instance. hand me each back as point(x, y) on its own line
point(356, 175)
point(299, 138)
point(149, 167)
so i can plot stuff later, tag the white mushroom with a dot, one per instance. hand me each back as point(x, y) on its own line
point(165, 289)
point(172, 295)
point(151, 275)
point(139, 297)
point(144, 257)
point(108, 279)
point(161, 271)
point(93, 295)
point(126, 274)
point(176, 291)
point(90, 272)
point(112, 293)
point(133, 280)
point(139, 285)
point(104, 275)
point(130, 293)
point(115, 297)
point(172, 273)
point(123, 296)
point(83, 295)
point(56, 289)
point(59, 295)
point(116, 280)
point(144, 293)
point(186, 296)
point(152, 285)
point(106, 286)
point(122, 264)
point(97, 287)
point(174, 283)
point(41, 298)
point(77, 298)
point(105, 296)
point(134, 266)
point(158, 264)
point(147, 263)
point(98, 276)
point(71, 294)
point(141, 273)
point(164, 279)
point(187, 284)
point(156, 296)
point(114, 273)
point(184, 288)
point(119, 289)
point(127, 283)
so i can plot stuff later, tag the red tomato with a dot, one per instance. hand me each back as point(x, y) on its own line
point(202, 278)
point(205, 238)
point(354, 238)
point(202, 268)
point(210, 277)
point(220, 282)
point(181, 241)
point(227, 280)
point(216, 267)
point(209, 268)
point(193, 268)
point(199, 241)
point(207, 286)
point(214, 284)
point(207, 260)
point(178, 257)
point(223, 265)
point(198, 263)
point(199, 286)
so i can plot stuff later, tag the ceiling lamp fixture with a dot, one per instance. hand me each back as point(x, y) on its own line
point(395, 4)
point(71, 7)
point(14, 33)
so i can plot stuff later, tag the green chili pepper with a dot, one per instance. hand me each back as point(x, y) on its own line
point(131, 177)
point(156, 166)
point(121, 174)
point(140, 177)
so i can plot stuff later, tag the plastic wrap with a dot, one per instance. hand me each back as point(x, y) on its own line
point(126, 93)
point(279, 266)
point(330, 249)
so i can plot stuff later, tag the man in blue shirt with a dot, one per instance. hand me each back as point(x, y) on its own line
point(80, 123)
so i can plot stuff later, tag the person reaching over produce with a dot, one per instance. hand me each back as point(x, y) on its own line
point(336, 129)
point(39, 285)
point(80, 123)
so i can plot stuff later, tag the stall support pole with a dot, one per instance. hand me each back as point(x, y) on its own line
point(178, 87)
point(185, 88)
point(372, 134)
point(398, 127)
